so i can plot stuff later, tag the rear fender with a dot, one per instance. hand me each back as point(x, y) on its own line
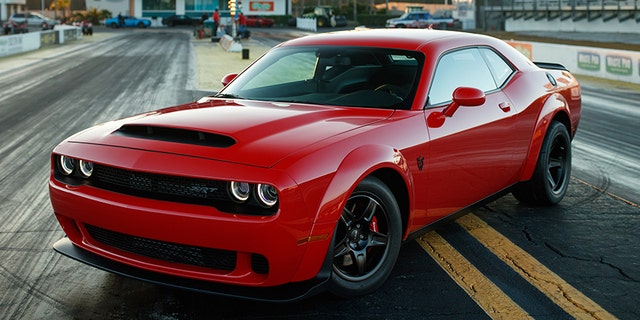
point(354, 168)
point(555, 107)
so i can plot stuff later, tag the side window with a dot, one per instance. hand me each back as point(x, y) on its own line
point(499, 68)
point(462, 68)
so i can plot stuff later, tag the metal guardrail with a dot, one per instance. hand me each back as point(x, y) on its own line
point(568, 9)
point(574, 10)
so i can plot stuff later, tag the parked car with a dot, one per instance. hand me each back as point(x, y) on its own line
point(34, 19)
point(127, 21)
point(12, 27)
point(309, 169)
point(424, 19)
point(180, 20)
point(259, 21)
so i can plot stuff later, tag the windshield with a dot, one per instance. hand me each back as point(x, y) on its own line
point(345, 76)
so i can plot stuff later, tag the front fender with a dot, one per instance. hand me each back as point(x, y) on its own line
point(354, 168)
point(555, 107)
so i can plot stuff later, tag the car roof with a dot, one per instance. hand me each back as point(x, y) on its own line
point(410, 39)
point(433, 42)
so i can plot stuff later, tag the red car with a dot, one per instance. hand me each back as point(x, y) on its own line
point(310, 168)
point(258, 21)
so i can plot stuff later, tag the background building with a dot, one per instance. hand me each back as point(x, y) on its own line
point(8, 7)
point(193, 8)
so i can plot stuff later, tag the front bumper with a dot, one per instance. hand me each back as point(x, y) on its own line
point(283, 293)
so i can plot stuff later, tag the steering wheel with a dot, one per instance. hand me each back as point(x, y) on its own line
point(394, 90)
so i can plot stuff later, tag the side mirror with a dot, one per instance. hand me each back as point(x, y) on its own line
point(228, 78)
point(462, 96)
point(466, 97)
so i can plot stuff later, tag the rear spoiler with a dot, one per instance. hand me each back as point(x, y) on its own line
point(551, 65)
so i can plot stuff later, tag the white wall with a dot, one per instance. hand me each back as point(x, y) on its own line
point(19, 43)
point(620, 65)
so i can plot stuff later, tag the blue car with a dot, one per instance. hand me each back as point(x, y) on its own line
point(127, 21)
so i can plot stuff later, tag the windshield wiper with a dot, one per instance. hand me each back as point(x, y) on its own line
point(228, 95)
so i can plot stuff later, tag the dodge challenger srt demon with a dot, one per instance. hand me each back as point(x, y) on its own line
point(309, 169)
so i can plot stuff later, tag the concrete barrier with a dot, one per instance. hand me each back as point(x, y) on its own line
point(19, 43)
point(25, 42)
point(619, 65)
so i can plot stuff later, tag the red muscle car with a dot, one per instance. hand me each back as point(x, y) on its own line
point(310, 168)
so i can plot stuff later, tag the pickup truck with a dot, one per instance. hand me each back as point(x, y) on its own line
point(424, 19)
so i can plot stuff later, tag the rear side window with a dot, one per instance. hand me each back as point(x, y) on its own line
point(500, 69)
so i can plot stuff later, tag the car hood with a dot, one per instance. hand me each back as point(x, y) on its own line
point(248, 132)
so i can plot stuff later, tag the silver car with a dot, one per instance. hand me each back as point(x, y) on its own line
point(34, 19)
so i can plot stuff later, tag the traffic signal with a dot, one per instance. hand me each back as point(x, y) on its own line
point(232, 7)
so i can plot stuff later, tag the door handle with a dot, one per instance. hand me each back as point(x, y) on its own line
point(505, 106)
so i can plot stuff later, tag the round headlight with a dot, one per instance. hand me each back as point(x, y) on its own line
point(267, 195)
point(239, 191)
point(66, 165)
point(86, 168)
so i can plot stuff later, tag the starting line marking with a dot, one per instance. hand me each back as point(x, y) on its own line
point(484, 292)
point(574, 302)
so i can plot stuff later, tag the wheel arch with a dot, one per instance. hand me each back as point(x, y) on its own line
point(554, 109)
point(398, 186)
point(383, 162)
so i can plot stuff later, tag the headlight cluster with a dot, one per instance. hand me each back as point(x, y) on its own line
point(266, 195)
point(67, 166)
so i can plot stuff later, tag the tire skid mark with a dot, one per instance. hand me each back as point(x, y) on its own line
point(604, 191)
point(32, 291)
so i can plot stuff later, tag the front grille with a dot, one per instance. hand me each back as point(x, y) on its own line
point(167, 188)
point(158, 186)
point(167, 251)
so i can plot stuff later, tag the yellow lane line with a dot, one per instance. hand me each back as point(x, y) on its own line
point(484, 292)
point(574, 302)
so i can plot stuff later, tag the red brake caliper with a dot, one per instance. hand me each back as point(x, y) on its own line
point(373, 226)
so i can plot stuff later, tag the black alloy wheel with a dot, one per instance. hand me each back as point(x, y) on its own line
point(550, 180)
point(366, 241)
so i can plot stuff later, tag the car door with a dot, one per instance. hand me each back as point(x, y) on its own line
point(472, 151)
point(130, 21)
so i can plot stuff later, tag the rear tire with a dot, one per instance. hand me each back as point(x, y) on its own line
point(366, 240)
point(550, 180)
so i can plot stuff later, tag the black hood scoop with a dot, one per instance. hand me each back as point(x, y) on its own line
point(176, 135)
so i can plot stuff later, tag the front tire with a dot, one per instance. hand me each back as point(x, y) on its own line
point(366, 240)
point(550, 180)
